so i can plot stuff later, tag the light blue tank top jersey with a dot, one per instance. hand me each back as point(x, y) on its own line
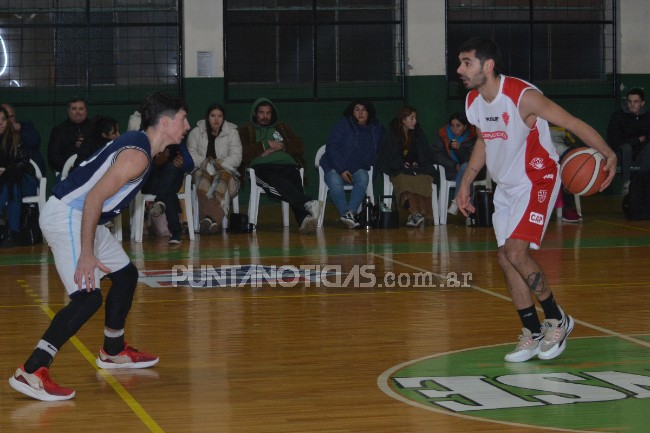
point(74, 189)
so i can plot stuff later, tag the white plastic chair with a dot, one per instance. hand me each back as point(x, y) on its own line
point(39, 198)
point(195, 209)
point(446, 185)
point(117, 221)
point(388, 191)
point(254, 199)
point(139, 202)
point(323, 188)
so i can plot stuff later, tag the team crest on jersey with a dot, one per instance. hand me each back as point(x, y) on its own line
point(537, 163)
point(506, 118)
point(536, 218)
point(541, 195)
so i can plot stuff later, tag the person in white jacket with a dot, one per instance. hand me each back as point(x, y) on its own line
point(215, 147)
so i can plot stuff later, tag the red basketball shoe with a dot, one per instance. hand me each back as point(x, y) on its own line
point(39, 385)
point(128, 358)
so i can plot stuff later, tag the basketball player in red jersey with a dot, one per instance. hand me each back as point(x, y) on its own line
point(511, 117)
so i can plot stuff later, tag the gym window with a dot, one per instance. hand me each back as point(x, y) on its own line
point(565, 47)
point(110, 51)
point(313, 50)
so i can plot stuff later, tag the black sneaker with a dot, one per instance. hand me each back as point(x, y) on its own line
point(11, 240)
point(350, 220)
point(175, 239)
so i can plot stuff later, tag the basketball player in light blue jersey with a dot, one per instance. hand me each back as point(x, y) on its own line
point(84, 249)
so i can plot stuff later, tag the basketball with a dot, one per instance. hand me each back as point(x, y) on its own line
point(582, 171)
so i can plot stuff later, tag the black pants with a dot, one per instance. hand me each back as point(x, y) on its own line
point(165, 181)
point(283, 182)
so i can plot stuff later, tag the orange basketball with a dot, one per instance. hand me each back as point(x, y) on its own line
point(582, 171)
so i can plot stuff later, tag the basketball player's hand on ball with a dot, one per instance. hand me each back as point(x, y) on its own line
point(85, 272)
point(610, 166)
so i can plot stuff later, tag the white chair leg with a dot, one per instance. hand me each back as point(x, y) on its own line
point(443, 201)
point(434, 205)
point(195, 207)
point(189, 215)
point(138, 217)
point(117, 227)
point(322, 197)
point(253, 202)
point(388, 191)
point(285, 213)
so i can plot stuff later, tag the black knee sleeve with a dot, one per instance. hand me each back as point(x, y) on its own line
point(82, 306)
point(120, 296)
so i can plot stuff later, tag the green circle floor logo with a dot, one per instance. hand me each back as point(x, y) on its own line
point(598, 383)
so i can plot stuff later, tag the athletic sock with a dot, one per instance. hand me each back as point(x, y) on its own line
point(530, 320)
point(113, 341)
point(42, 356)
point(551, 309)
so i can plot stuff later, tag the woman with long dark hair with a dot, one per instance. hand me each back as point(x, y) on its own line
point(215, 147)
point(406, 157)
point(16, 173)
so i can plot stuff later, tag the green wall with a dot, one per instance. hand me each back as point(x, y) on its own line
point(312, 120)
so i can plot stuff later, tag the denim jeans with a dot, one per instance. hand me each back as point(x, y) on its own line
point(14, 206)
point(336, 183)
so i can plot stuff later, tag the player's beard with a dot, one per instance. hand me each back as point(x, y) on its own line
point(477, 81)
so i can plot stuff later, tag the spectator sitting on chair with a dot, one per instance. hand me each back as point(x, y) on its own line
point(350, 152)
point(104, 129)
point(216, 151)
point(67, 137)
point(16, 174)
point(275, 151)
point(627, 134)
point(167, 175)
point(452, 148)
point(29, 137)
point(405, 156)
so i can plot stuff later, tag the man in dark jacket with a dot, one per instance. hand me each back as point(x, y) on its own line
point(66, 137)
point(628, 133)
point(275, 151)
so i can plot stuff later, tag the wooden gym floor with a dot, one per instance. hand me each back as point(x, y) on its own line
point(321, 352)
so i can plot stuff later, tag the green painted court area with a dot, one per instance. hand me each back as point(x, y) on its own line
point(598, 384)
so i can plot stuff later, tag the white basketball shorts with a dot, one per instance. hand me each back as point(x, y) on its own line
point(61, 226)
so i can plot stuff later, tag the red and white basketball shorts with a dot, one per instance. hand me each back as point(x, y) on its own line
point(522, 211)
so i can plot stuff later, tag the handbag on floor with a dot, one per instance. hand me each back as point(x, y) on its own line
point(387, 216)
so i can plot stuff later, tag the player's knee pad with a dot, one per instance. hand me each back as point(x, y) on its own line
point(120, 296)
